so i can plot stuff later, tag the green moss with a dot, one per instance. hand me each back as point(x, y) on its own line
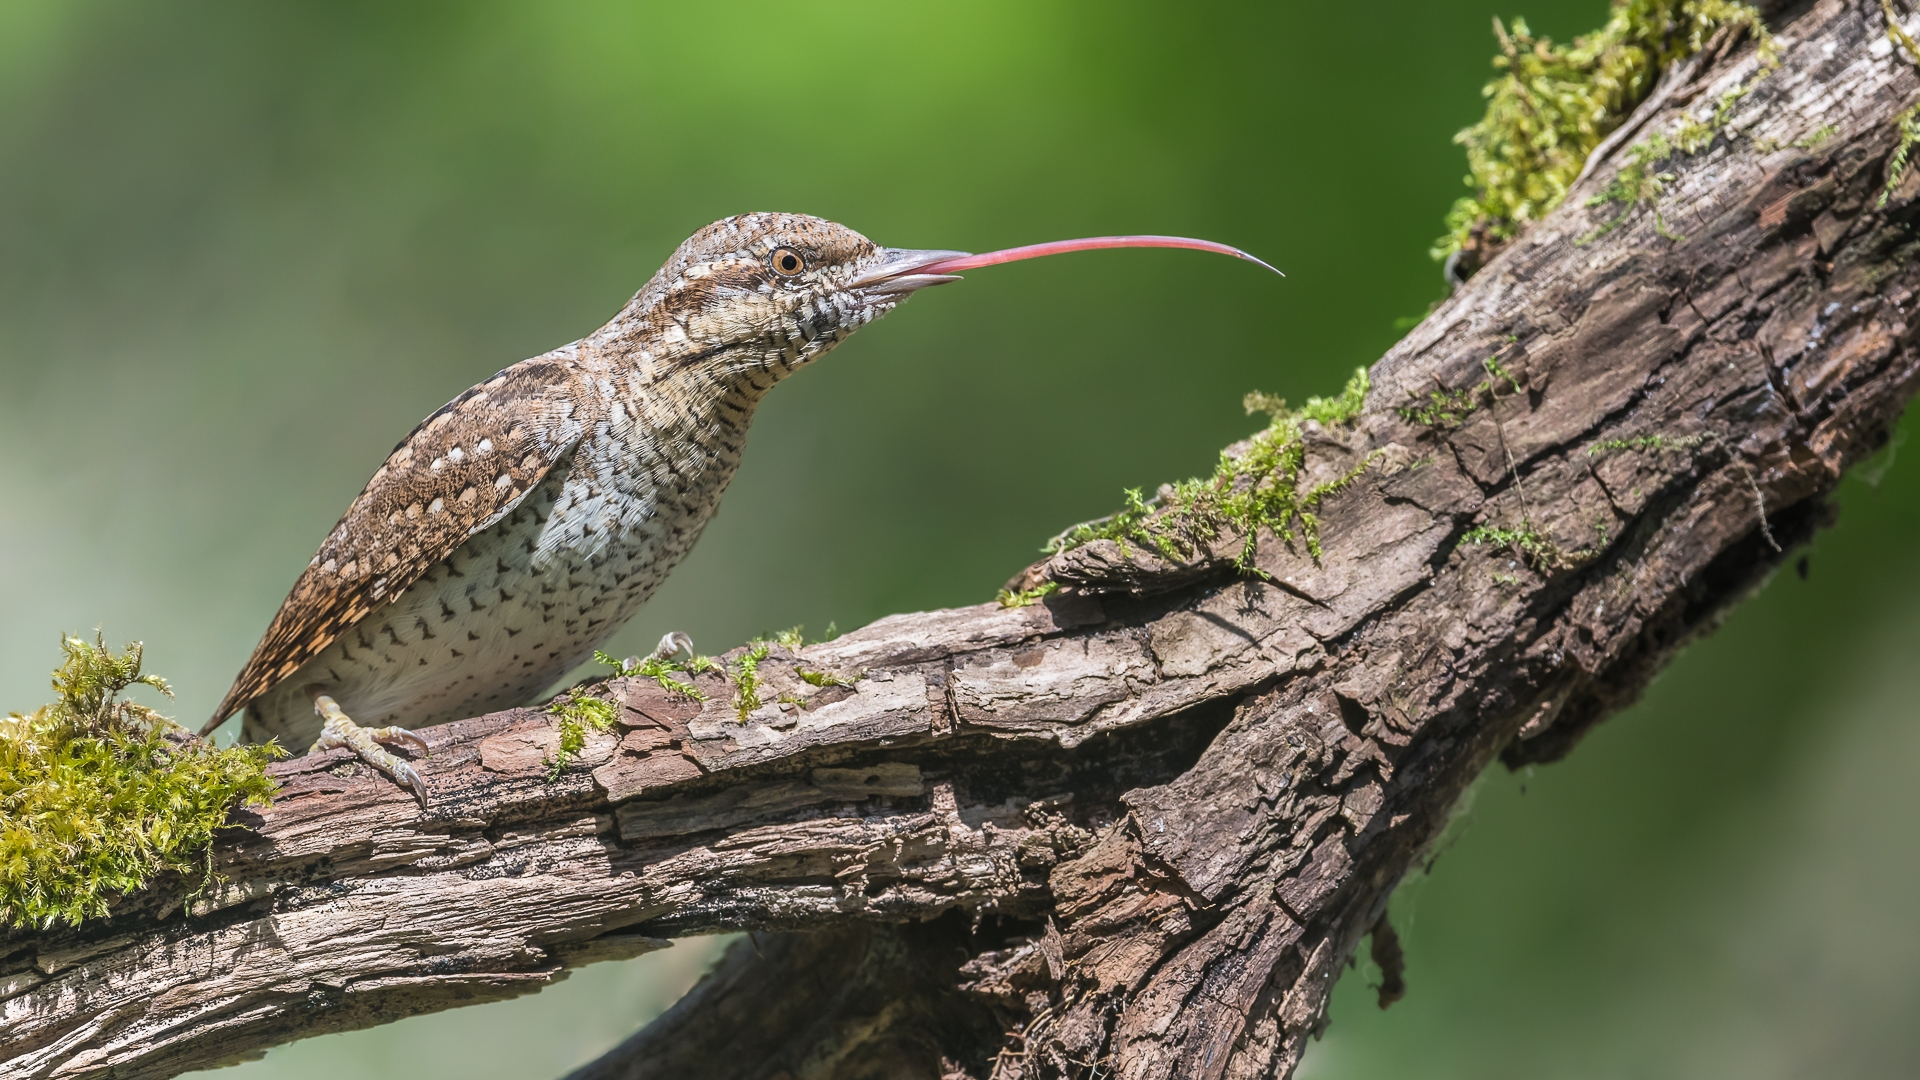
point(1552, 105)
point(744, 673)
point(1908, 122)
point(1254, 489)
point(1820, 135)
point(1126, 525)
point(1340, 409)
point(98, 793)
point(1258, 401)
point(1496, 372)
point(1693, 135)
point(1637, 184)
point(1814, 141)
point(1647, 442)
point(1442, 409)
point(821, 678)
point(1445, 409)
point(1526, 541)
point(665, 671)
point(1010, 598)
point(578, 711)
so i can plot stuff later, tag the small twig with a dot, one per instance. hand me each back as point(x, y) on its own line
point(1735, 454)
point(1761, 500)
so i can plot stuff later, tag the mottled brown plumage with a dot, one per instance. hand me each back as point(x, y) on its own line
point(519, 526)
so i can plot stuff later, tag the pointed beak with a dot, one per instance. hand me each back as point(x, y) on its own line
point(898, 270)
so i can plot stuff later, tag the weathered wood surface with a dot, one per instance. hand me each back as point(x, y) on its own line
point(1143, 823)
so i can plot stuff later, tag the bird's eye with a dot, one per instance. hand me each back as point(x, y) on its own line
point(786, 262)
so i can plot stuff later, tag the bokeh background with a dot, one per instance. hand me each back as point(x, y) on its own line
point(244, 247)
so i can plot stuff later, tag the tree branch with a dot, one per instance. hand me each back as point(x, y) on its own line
point(1142, 823)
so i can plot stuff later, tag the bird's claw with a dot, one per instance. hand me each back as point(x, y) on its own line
point(401, 735)
point(338, 729)
point(671, 645)
point(409, 777)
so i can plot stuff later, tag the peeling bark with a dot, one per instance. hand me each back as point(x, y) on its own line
point(1135, 829)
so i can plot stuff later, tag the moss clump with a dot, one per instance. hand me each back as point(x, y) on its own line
point(664, 670)
point(1019, 598)
point(97, 793)
point(1637, 184)
point(1811, 142)
point(1694, 135)
point(1552, 105)
point(1442, 409)
point(1327, 411)
point(744, 673)
point(1445, 409)
point(1908, 122)
point(744, 670)
point(1253, 489)
point(1647, 442)
point(1526, 541)
point(821, 678)
point(577, 711)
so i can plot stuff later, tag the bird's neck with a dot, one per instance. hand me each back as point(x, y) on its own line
point(687, 359)
point(673, 401)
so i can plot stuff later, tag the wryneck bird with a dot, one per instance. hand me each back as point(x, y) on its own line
point(519, 526)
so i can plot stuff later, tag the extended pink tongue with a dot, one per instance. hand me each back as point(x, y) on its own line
point(1091, 243)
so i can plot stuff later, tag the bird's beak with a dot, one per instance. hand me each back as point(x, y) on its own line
point(898, 271)
point(901, 271)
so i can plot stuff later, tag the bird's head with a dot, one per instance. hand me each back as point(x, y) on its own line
point(774, 291)
point(761, 295)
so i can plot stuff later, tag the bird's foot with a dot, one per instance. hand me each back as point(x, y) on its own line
point(660, 665)
point(339, 730)
point(671, 645)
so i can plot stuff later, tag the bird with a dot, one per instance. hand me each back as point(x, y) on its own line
point(514, 530)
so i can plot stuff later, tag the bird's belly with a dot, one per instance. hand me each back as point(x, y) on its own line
point(498, 621)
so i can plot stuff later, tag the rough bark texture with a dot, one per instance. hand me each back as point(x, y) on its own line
point(1136, 829)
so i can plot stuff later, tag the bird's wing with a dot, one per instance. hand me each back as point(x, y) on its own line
point(461, 470)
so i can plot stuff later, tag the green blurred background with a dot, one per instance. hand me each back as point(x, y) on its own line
point(244, 247)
